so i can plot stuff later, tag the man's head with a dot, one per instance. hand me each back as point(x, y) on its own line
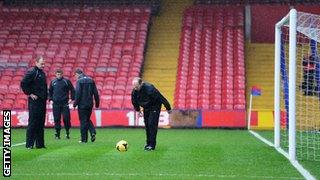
point(137, 83)
point(78, 72)
point(40, 62)
point(59, 73)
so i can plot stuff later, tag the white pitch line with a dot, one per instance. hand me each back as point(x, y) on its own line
point(154, 175)
point(305, 173)
point(261, 138)
point(19, 144)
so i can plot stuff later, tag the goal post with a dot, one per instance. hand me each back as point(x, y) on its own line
point(291, 18)
point(296, 83)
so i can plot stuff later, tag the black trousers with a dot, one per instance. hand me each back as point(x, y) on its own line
point(86, 124)
point(58, 110)
point(151, 121)
point(35, 129)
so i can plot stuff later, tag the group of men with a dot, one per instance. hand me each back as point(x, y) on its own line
point(34, 85)
point(61, 92)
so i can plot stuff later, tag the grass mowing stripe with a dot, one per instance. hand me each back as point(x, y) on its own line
point(157, 175)
point(188, 153)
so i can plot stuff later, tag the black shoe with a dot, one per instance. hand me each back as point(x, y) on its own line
point(82, 142)
point(93, 137)
point(41, 147)
point(57, 136)
point(29, 147)
point(67, 136)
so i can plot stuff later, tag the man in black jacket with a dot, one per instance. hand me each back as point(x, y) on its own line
point(147, 96)
point(34, 85)
point(59, 93)
point(85, 91)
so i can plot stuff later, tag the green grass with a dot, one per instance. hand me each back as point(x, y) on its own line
point(180, 154)
point(312, 166)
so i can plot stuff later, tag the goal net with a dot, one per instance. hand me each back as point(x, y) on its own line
point(297, 85)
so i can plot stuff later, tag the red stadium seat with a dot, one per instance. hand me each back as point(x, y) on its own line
point(75, 38)
point(211, 60)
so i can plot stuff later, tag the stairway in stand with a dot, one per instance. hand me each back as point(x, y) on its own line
point(160, 67)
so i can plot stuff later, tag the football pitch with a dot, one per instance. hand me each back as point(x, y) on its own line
point(180, 154)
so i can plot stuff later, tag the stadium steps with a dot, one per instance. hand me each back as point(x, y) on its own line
point(160, 66)
point(260, 72)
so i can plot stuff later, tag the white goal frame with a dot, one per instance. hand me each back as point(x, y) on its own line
point(292, 18)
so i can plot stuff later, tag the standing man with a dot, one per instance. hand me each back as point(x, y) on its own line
point(59, 93)
point(147, 96)
point(85, 91)
point(34, 85)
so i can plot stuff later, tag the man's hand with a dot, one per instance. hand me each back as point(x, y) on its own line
point(34, 97)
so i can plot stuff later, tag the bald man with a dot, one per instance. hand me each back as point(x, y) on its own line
point(147, 96)
point(34, 85)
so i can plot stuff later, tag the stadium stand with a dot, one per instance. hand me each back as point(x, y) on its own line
point(160, 66)
point(108, 43)
point(263, 26)
point(261, 55)
point(245, 2)
point(153, 4)
point(211, 72)
point(260, 52)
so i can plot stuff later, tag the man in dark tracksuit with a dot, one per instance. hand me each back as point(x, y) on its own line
point(147, 96)
point(85, 90)
point(34, 85)
point(59, 93)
